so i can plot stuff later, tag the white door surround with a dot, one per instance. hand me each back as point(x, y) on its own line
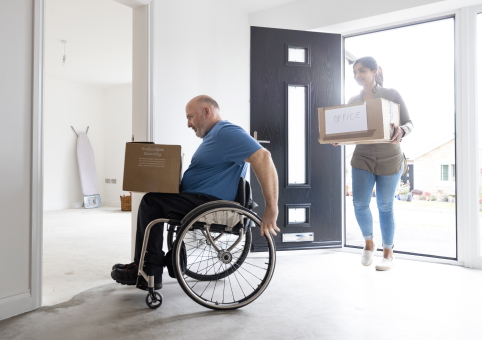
point(25, 301)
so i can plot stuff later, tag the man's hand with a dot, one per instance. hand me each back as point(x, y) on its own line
point(265, 170)
point(398, 133)
point(268, 226)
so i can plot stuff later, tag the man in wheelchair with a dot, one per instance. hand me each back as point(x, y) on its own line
point(213, 174)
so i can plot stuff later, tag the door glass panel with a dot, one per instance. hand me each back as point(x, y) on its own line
point(297, 215)
point(297, 55)
point(296, 135)
point(425, 218)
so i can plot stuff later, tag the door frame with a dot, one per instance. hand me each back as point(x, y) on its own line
point(465, 82)
point(31, 301)
point(471, 236)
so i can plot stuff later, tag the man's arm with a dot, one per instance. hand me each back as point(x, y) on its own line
point(265, 170)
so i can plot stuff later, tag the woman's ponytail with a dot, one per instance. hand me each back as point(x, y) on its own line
point(379, 76)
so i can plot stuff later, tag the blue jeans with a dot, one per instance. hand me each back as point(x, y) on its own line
point(363, 182)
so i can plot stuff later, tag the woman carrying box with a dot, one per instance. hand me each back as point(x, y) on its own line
point(381, 164)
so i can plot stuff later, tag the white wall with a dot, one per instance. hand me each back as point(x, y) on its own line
point(117, 132)
point(16, 39)
point(107, 112)
point(70, 104)
point(200, 47)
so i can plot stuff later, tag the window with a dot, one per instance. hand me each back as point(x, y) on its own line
point(297, 127)
point(447, 172)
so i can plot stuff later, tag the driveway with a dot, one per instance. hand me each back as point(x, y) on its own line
point(421, 227)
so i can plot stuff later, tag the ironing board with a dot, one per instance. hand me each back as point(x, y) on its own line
point(88, 173)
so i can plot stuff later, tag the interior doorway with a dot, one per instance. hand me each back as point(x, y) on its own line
point(88, 84)
point(418, 61)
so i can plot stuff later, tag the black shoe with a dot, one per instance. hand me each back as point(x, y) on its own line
point(129, 277)
point(124, 266)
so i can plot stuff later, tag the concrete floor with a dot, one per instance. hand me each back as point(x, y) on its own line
point(318, 294)
point(80, 247)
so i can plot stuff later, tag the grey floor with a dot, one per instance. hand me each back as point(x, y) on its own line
point(318, 294)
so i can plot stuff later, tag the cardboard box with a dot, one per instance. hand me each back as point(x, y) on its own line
point(150, 167)
point(358, 123)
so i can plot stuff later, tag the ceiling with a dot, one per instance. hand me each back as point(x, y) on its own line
point(258, 5)
point(99, 39)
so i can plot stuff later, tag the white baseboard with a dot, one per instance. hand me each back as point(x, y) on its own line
point(59, 206)
point(16, 303)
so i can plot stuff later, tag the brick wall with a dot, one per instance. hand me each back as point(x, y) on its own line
point(427, 169)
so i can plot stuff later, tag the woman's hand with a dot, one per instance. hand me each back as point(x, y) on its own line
point(398, 133)
point(335, 144)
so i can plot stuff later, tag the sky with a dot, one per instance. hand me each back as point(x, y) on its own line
point(417, 61)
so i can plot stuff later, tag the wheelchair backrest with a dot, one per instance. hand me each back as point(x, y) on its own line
point(243, 196)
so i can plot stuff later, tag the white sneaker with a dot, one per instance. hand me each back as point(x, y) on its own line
point(385, 264)
point(367, 256)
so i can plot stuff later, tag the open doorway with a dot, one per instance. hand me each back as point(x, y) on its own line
point(88, 83)
point(418, 61)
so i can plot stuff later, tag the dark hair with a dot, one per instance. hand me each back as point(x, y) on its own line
point(372, 64)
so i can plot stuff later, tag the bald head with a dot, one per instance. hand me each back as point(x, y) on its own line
point(202, 113)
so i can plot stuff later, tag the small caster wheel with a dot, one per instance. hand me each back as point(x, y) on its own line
point(154, 300)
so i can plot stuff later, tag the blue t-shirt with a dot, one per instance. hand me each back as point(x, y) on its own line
point(218, 163)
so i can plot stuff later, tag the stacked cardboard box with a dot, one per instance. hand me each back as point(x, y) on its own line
point(358, 123)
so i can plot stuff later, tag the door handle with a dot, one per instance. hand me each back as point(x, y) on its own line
point(255, 136)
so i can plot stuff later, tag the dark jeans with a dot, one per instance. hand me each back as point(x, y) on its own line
point(158, 205)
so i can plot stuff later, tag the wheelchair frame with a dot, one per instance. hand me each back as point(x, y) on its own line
point(225, 218)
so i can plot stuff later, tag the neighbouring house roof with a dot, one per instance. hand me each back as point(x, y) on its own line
point(432, 146)
point(350, 57)
point(435, 145)
point(422, 151)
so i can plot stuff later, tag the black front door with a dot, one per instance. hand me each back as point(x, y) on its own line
point(293, 73)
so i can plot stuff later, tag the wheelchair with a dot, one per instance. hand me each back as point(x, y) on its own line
point(211, 254)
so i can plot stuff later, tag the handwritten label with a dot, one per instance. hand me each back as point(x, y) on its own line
point(346, 119)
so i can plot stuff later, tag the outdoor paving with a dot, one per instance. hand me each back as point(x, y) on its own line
point(421, 227)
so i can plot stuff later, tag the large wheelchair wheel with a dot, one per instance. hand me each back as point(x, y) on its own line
point(212, 258)
point(199, 240)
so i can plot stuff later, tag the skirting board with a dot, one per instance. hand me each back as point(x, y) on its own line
point(15, 303)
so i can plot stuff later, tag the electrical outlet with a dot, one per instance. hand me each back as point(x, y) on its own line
point(107, 180)
point(113, 180)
